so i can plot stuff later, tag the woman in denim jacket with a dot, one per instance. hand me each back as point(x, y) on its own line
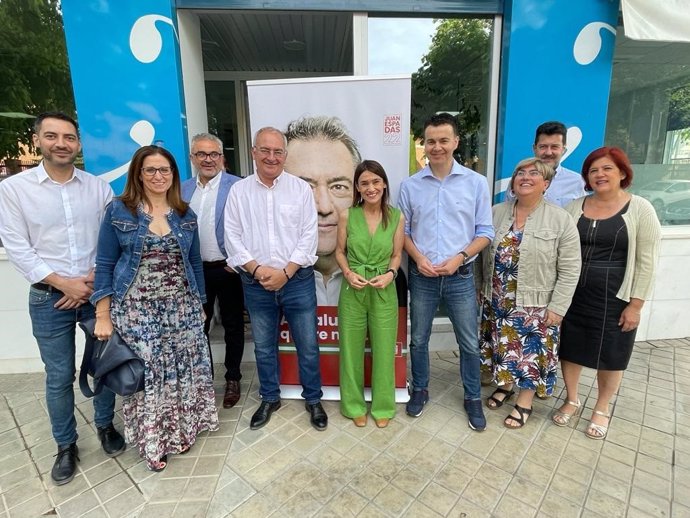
point(529, 276)
point(149, 285)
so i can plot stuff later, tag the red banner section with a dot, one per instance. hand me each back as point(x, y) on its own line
point(329, 347)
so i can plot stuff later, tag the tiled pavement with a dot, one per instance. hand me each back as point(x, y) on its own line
point(429, 466)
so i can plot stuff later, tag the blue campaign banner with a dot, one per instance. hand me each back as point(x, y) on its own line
point(557, 62)
point(125, 65)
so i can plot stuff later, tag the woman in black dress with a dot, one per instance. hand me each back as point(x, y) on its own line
point(619, 237)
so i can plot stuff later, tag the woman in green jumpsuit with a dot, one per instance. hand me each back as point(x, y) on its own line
point(370, 242)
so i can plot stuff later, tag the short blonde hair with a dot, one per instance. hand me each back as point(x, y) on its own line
point(544, 169)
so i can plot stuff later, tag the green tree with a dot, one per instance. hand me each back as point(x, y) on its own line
point(454, 77)
point(33, 67)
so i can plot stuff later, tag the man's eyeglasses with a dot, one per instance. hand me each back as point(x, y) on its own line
point(151, 171)
point(200, 155)
point(278, 153)
point(532, 173)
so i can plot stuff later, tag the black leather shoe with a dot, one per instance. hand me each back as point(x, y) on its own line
point(263, 414)
point(65, 464)
point(319, 419)
point(111, 440)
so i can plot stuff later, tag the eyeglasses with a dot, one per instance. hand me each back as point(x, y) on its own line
point(200, 155)
point(151, 171)
point(532, 173)
point(278, 153)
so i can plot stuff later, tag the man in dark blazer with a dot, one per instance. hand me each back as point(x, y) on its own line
point(207, 194)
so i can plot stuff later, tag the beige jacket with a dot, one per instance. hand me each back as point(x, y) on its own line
point(550, 259)
point(644, 235)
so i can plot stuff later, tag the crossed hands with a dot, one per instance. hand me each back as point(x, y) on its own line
point(76, 291)
point(358, 282)
point(272, 279)
point(447, 267)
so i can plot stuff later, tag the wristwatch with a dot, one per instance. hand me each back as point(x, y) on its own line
point(395, 274)
point(464, 255)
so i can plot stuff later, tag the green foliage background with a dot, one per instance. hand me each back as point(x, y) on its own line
point(34, 72)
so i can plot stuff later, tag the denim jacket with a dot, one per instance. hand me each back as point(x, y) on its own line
point(550, 259)
point(120, 244)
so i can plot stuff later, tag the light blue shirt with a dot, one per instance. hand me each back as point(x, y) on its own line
point(565, 187)
point(444, 216)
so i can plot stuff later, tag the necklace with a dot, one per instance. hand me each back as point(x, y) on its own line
point(516, 225)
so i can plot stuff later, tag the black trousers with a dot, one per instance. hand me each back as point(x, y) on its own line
point(227, 288)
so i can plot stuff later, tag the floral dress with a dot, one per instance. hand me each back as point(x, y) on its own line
point(517, 347)
point(162, 321)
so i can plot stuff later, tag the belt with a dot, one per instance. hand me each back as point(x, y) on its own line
point(465, 268)
point(215, 264)
point(45, 287)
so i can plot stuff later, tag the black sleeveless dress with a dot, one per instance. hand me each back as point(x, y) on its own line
point(590, 334)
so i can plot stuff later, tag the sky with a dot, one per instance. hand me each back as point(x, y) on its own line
point(397, 45)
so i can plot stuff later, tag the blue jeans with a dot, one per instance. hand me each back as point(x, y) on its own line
point(54, 330)
point(458, 293)
point(297, 302)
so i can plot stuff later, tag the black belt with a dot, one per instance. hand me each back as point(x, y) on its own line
point(45, 287)
point(466, 268)
point(215, 264)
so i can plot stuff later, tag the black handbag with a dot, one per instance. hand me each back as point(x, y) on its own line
point(111, 363)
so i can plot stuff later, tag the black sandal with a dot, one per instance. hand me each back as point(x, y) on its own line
point(524, 414)
point(498, 403)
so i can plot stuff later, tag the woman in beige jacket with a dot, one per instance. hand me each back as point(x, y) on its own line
point(619, 235)
point(529, 274)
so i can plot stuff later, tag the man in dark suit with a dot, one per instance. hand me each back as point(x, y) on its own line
point(207, 194)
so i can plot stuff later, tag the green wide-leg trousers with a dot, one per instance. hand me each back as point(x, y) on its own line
point(377, 312)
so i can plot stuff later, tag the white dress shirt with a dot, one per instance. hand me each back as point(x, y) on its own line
point(49, 227)
point(203, 203)
point(327, 294)
point(273, 226)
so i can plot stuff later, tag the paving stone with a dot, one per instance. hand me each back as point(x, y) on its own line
point(525, 491)
point(431, 466)
point(651, 504)
point(395, 501)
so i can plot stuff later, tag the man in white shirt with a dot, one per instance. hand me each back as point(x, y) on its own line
point(270, 236)
point(207, 194)
point(323, 154)
point(51, 217)
point(549, 147)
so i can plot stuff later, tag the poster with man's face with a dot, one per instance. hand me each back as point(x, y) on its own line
point(331, 125)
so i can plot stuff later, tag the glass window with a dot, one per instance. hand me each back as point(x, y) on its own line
point(450, 63)
point(649, 117)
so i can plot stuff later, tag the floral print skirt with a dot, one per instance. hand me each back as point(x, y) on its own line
point(516, 346)
point(163, 323)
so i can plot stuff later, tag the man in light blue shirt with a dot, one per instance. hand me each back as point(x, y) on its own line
point(549, 147)
point(447, 210)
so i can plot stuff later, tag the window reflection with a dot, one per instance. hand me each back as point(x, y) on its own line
point(649, 117)
point(450, 63)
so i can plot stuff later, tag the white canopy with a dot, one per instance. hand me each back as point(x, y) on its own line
point(657, 20)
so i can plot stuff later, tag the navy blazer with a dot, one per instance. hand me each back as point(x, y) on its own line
point(226, 181)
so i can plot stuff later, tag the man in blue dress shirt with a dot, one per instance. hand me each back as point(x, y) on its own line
point(447, 210)
point(550, 141)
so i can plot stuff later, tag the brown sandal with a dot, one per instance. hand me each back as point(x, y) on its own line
point(493, 403)
point(521, 420)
